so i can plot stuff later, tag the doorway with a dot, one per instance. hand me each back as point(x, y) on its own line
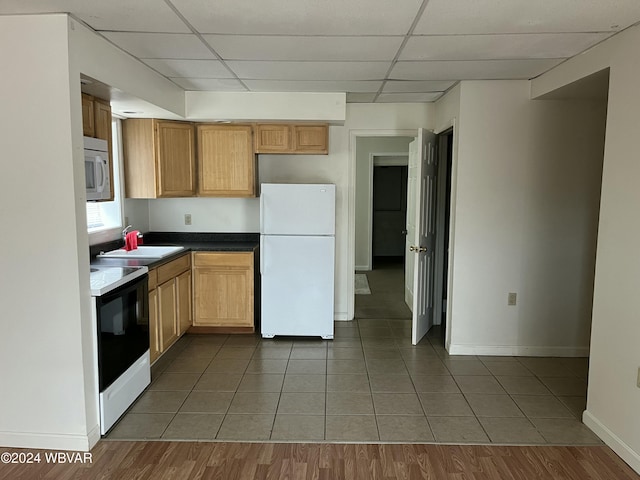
point(443, 224)
point(389, 214)
point(387, 190)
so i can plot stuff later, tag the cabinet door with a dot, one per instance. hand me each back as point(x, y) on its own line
point(175, 159)
point(226, 162)
point(88, 121)
point(154, 331)
point(310, 139)
point(273, 138)
point(167, 314)
point(223, 289)
point(102, 118)
point(183, 289)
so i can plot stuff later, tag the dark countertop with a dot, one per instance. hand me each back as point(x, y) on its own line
point(212, 242)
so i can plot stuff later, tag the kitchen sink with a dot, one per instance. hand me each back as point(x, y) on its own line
point(145, 251)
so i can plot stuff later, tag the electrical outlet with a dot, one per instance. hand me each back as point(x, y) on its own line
point(126, 221)
point(187, 219)
point(511, 299)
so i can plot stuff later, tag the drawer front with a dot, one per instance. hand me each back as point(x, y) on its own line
point(153, 279)
point(223, 259)
point(174, 268)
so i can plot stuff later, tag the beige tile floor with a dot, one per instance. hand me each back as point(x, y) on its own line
point(369, 384)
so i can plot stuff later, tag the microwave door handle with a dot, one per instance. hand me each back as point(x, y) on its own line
point(103, 168)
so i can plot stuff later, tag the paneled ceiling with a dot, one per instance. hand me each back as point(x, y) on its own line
point(374, 50)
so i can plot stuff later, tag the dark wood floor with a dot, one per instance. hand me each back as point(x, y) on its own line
point(190, 460)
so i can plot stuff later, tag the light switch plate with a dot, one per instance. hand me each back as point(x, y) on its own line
point(511, 299)
point(187, 219)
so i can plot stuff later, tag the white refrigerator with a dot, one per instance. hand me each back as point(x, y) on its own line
point(297, 252)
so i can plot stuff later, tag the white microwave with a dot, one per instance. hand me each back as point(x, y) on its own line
point(97, 170)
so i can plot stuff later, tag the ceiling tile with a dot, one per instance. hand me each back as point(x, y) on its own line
point(360, 97)
point(472, 70)
point(160, 45)
point(408, 97)
point(209, 84)
point(312, 86)
point(309, 70)
point(411, 86)
point(300, 17)
point(520, 16)
point(278, 47)
point(189, 68)
point(507, 46)
point(125, 15)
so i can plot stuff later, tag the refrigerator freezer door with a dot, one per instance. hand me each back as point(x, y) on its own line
point(297, 209)
point(297, 286)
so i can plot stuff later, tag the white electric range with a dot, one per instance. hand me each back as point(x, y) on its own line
point(120, 299)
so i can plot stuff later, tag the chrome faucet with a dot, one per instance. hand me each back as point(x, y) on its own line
point(125, 231)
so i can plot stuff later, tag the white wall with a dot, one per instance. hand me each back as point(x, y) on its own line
point(136, 214)
point(257, 106)
point(44, 289)
point(526, 211)
point(365, 146)
point(49, 394)
point(234, 215)
point(613, 398)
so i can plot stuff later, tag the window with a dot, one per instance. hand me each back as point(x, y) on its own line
point(105, 216)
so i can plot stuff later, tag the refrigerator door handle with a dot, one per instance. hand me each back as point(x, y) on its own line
point(262, 214)
point(262, 253)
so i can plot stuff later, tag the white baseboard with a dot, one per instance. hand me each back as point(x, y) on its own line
point(44, 441)
point(363, 268)
point(518, 350)
point(341, 317)
point(623, 450)
point(94, 436)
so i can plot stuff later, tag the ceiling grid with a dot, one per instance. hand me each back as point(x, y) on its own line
point(374, 50)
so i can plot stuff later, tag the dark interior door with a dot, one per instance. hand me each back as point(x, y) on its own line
point(389, 210)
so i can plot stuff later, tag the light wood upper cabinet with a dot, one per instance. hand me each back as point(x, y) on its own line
point(88, 120)
point(292, 138)
point(310, 139)
point(223, 289)
point(226, 161)
point(273, 138)
point(159, 158)
point(102, 119)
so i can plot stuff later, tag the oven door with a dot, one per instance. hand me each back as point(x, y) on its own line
point(123, 329)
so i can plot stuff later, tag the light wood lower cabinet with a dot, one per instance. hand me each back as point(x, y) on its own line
point(154, 331)
point(183, 297)
point(223, 290)
point(167, 307)
point(169, 304)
